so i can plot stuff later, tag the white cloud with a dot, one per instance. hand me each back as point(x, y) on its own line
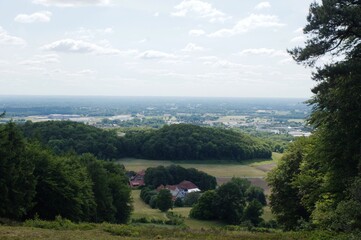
point(196, 32)
point(299, 30)
point(200, 9)
point(81, 73)
point(7, 39)
point(44, 16)
point(209, 58)
point(156, 14)
point(263, 51)
point(298, 39)
point(79, 46)
point(144, 40)
point(41, 60)
point(71, 3)
point(156, 55)
point(251, 22)
point(192, 47)
point(262, 5)
point(216, 62)
point(285, 61)
point(89, 34)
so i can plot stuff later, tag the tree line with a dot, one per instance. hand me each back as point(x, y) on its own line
point(174, 174)
point(174, 142)
point(318, 181)
point(36, 182)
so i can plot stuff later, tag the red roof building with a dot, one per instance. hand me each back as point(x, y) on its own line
point(138, 179)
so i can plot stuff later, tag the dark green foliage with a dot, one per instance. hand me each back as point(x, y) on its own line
point(64, 187)
point(175, 142)
point(65, 136)
point(153, 201)
point(205, 208)
point(334, 28)
point(190, 142)
point(191, 198)
point(228, 203)
point(111, 190)
point(174, 219)
point(253, 212)
point(105, 210)
point(285, 199)
point(35, 182)
point(17, 182)
point(118, 184)
point(311, 180)
point(175, 174)
point(164, 200)
point(178, 202)
point(146, 194)
point(256, 193)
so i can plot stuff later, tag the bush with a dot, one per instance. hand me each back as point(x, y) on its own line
point(58, 224)
point(164, 200)
point(153, 201)
point(121, 230)
point(191, 199)
point(178, 202)
point(174, 219)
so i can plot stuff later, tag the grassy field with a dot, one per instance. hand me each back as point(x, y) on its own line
point(254, 170)
point(219, 169)
point(143, 210)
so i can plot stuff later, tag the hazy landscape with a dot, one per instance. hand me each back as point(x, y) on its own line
point(180, 119)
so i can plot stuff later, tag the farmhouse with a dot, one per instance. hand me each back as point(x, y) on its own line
point(137, 180)
point(180, 190)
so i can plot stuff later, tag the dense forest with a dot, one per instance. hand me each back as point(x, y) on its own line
point(174, 142)
point(318, 181)
point(175, 174)
point(35, 182)
point(190, 142)
point(66, 136)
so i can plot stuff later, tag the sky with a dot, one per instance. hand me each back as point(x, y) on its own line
point(218, 48)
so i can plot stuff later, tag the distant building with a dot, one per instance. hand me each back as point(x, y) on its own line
point(299, 134)
point(181, 190)
point(138, 179)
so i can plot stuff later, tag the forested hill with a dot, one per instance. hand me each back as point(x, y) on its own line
point(174, 142)
point(190, 142)
point(65, 136)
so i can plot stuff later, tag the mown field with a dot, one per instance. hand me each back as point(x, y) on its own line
point(254, 170)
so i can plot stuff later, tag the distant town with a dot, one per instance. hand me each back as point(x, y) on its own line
point(275, 116)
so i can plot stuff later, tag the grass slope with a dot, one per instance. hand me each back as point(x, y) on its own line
point(111, 231)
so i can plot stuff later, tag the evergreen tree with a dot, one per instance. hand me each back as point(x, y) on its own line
point(17, 182)
point(332, 164)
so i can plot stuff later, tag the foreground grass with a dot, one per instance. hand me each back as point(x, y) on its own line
point(112, 231)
